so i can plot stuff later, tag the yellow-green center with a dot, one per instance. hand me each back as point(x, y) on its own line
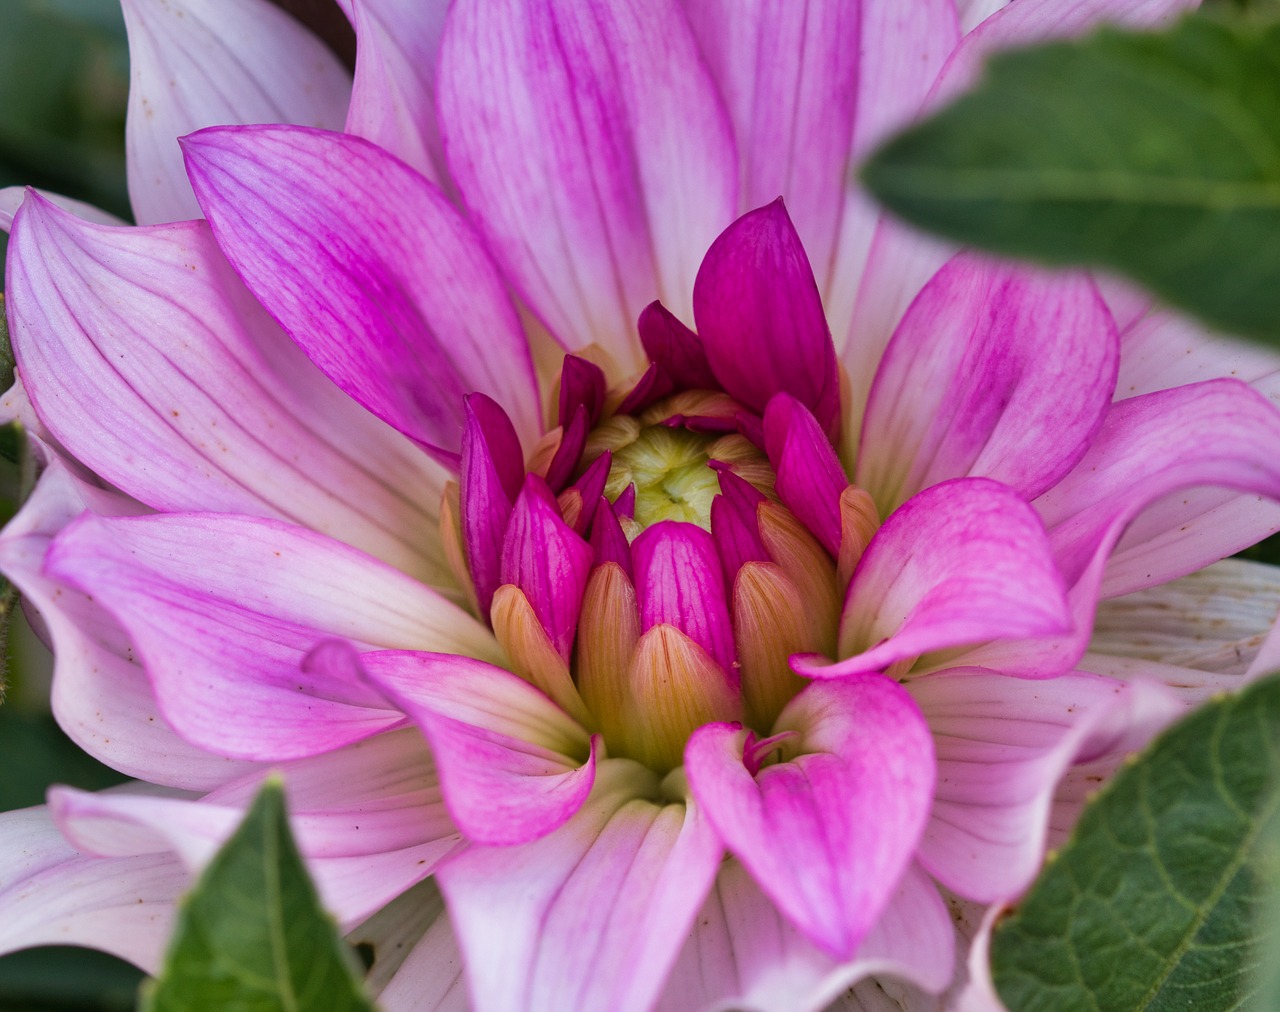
point(669, 469)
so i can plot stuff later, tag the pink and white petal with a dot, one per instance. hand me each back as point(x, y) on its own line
point(513, 766)
point(53, 895)
point(393, 96)
point(195, 399)
point(11, 198)
point(789, 74)
point(743, 954)
point(101, 695)
point(592, 915)
point(962, 562)
point(1166, 350)
point(1159, 464)
point(828, 831)
point(1212, 620)
point(628, 163)
point(903, 48)
point(197, 63)
point(416, 963)
point(379, 833)
point(1029, 21)
point(1003, 744)
point(225, 611)
point(760, 317)
point(996, 372)
point(371, 271)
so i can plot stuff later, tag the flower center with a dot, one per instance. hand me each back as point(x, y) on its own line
point(669, 468)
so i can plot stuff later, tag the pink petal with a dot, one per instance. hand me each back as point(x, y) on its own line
point(1219, 433)
point(903, 48)
point(591, 916)
point(679, 582)
point(994, 372)
point(744, 954)
point(628, 168)
point(789, 74)
point(582, 383)
point(1003, 744)
point(197, 63)
point(676, 349)
point(549, 562)
point(1166, 350)
point(224, 611)
point(760, 317)
point(101, 695)
point(11, 198)
point(198, 401)
point(367, 818)
point(492, 473)
point(809, 478)
point(827, 834)
point(513, 766)
point(371, 271)
point(52, 895)
point(1029, 21)
point(962, 562)
point(393, 97)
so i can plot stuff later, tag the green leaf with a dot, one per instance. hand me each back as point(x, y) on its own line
point(1155, 155)
point(1156, 902)
point(252, 936)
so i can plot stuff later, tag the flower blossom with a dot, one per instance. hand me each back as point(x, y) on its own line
point(662, 582)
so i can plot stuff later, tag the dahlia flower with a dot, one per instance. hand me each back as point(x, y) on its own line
point(661, 582)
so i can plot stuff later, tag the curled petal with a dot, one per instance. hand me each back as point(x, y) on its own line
point(962, 562)
point(513, 766)
point(828, 832)
point(492, 473)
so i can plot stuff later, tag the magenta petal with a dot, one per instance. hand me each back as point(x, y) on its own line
point(582, 383)
point(650, 388)
point(608, 540)
point(675, 349)
point(962, 562)
point(492, 473)
point(828, 833)
point(627, 168)
point(809, 476)
point(572, 441)
point(591, 916)
point(591, 488)
point(511, 762)
point(993, 372)
point(549, 562)
point(760, 317)
point(679, 582)
point(371, 271)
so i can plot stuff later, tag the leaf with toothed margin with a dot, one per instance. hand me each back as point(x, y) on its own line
point(1154, 902)
point(252, 935)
